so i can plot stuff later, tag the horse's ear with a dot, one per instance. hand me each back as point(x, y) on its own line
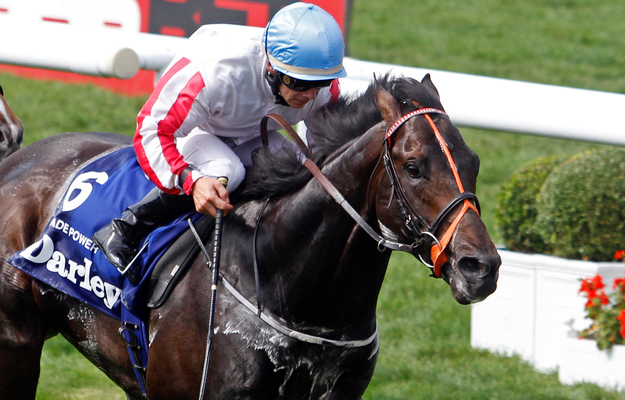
point(427, 82)
point(388, 106)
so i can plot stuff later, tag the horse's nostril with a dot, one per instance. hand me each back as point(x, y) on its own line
point(475, 269)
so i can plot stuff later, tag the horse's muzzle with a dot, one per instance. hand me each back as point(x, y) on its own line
point(472, 278)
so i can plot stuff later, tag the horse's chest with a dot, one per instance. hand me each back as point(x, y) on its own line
point(301, 370)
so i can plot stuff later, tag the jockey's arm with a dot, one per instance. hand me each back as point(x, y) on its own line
point(173, 110)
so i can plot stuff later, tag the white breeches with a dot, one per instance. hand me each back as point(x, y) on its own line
point(215, 156)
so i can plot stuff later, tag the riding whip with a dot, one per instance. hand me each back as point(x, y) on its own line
point(215, 281)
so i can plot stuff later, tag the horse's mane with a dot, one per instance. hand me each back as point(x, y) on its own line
point(276, 173)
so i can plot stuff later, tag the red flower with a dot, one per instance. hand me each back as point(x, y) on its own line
point(604, 299)
point(602, 308)
point(592, 284)
point(621, 318)
point(598, 282)
point(619, 255)
point(596, 298)
point(591, 295)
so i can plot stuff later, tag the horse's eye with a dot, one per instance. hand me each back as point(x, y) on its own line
point(413, 169)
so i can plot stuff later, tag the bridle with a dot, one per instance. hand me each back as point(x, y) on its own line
point(424, 233)
point(426, 243)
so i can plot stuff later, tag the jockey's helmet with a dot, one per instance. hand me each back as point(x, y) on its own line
point(305, 42)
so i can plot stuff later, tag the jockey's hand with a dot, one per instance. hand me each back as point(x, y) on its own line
point(209, 195)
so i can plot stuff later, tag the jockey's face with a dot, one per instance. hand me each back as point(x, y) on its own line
point(297, 99)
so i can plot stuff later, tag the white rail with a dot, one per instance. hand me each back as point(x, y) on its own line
point(514, 106)
point(100, 52)
point(470, 100)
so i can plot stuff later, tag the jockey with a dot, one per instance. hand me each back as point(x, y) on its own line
point(203, 119)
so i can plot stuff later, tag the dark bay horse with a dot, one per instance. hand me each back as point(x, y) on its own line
point(319, 273)
point(11, 129)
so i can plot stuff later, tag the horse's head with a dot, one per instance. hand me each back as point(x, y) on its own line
point(426, 195)
point(11, 129)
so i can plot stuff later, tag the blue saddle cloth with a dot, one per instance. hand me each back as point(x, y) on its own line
point(66, 258)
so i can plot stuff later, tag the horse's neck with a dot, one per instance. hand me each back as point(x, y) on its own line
point(320, 215)
point(321, 265)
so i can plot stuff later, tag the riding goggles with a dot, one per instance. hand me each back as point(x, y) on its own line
point(300, 85)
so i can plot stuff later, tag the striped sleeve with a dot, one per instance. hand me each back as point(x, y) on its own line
point(168, 113)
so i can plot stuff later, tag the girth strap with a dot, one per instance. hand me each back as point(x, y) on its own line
point(134, 334)
point(303, 337)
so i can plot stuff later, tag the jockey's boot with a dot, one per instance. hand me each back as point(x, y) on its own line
point(120, 238)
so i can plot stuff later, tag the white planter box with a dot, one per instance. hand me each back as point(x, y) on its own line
point(536, 306)
point(504, 322)
point(582, 361)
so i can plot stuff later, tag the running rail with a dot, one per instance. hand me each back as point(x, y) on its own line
point(470, 100)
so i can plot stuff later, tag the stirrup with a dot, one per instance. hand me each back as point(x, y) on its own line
point(125, 271)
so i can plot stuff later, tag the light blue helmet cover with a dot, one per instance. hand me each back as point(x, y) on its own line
point(305, 42)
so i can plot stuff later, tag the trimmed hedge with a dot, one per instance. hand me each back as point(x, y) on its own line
point(581, 206)
point(573, 209)
point(516, 211)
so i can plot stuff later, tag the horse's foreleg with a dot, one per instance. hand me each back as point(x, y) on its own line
point(22, 334)
point(19, 367)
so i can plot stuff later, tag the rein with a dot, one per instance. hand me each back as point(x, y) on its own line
point(330, 188)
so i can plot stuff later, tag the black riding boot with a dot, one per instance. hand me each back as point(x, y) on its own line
point(120, 238)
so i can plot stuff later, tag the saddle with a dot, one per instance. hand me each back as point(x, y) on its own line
point(171, 267)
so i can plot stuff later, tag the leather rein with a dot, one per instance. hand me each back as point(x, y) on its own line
point(424, 233)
